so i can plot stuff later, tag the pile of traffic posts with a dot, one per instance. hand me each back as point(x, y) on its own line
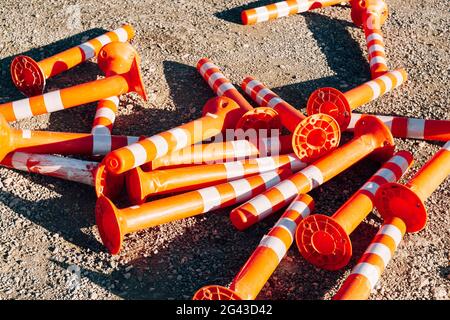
point(252, 166)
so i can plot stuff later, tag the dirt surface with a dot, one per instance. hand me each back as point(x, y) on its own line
point(48, 230)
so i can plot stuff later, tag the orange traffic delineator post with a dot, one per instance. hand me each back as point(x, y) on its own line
point(262, 263)
point(339, 104)
point(63, 143)
point(412, 128)
point(141, 185)
point(30, 76)
point(312, 137)
point(324, 241)
point(283, 9)
point(367, 272)
point(359, 9)
point(105, 115)
point(372, 16)
point(372, 137)
point(407, 201)
point(75, 170)
point(115, 85)
point(218, 114)
point(219, 152)
point(223, 87)
point(114, 223)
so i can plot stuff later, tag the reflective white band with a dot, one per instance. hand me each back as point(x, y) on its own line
point(205, 67)
point(53, 101)
point(160, 144)
point(139, 154)
point(22, 109)
point(369, 271)
point(261, 204)
point(374, 36)
point(181, 136)
point(446, 146)
point(300, 207)
point(113, 99)
point(211, 198)
point(88, 50)
point(266, 164)
point(314, 176)
point(376, 91)
point(242, 189)
point(224, 87)
point(261, 94)
point(274, 101)
point(19, 161)
point(387, 174)
point(234, 169)
point(101, 144)
point(393, 232)
point(287, 188)
point(26, 134)
point(387, 83)
point(131, 140)
point(401, 162)
point(103, 39)
point(106, 113)
point(287, 224)
point(275, 244)
point(262, 14)
point(399, 76)
point(377, 60)
point(296, 163)
point(100, 130)
point(380, 250)
point(249, 87)
point(215, 76)
point(282, 9)
point(242, 148)
point(270, 179)
point(122, 34)
point(416, 128)
point(376, 47)
point(303, 5)
point(387, 120)
point(371, 187)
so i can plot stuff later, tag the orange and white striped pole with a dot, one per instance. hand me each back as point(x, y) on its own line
point(114, 223)
point(265, 259)
point(220, 152)
point(339, 104)
point(368, 270)
point(223, 87)
point(30, 76)
point(76, 95)
point(141, 185)
point(218, 114)
point(324, 241)
point(105, 115)
point(75, 170)
point(407, 201)
point(312, 137)
point(411, 128)
point(374, 38)
point(372, 137)
point(63, 143)
point(283, 9)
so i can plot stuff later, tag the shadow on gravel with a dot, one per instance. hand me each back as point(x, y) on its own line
point(234, 15)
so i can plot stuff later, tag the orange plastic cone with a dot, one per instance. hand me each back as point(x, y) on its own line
point(324, 241)
point(65, 168)
point(407, 201)
point(402, 127)
point(115, 85)
point(141, 185)
point(219, 152)
point(367, 272)
point(30, 76)
point(114, 223)
point(339, 104)
point(265, 259)
point(223, 87)
point(371, 137)
point(312, 137)
point(218, 114)
point(283, 9)
point(63, 143)
point(372, 16)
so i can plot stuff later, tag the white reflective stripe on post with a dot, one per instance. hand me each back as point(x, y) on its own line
point(415, 128)
point(160, 144)
point(301, 208)
point(270, 178)
point(211, 198)
point(387, 174)
point(181, 137)
point(446, 146)
point(242, 189)
point(371, 187)
point(369, 271)
point(101, 144)
point(287, 188)
point(234, 169)
point(274, 101)
point(266, 164)
point(282, 9)
point(393, 232)
point(262, 14)
point(224, 87)
point(22, 109)
point(88, 50)
point(287, 224)
point(380, 250)
point(314, 176)
point(275, 244)
point(215, 76)
point(53, 101)
point(400, 162)
point(139, 154)
point(376, 91)
point(122, 34)
point(205, 67)
point(260, 203)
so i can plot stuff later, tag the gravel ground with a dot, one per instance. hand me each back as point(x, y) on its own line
point(48, 230)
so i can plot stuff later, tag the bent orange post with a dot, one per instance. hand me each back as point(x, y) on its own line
point(114, 223)
point(372, 137)
point(30, 76)
point(265, 259)
point(324, 241)
point(339, 104)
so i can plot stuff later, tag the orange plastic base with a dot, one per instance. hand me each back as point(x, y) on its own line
point(27, 76)
point(373, 125)
point(358, 10)
point(315, 136)
point(397, 200)
point(323, 242)
point(260, 118)
point(108, 224)
point(216, 293)
point(107, 184)
point(332, 102)
point(5, 138)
